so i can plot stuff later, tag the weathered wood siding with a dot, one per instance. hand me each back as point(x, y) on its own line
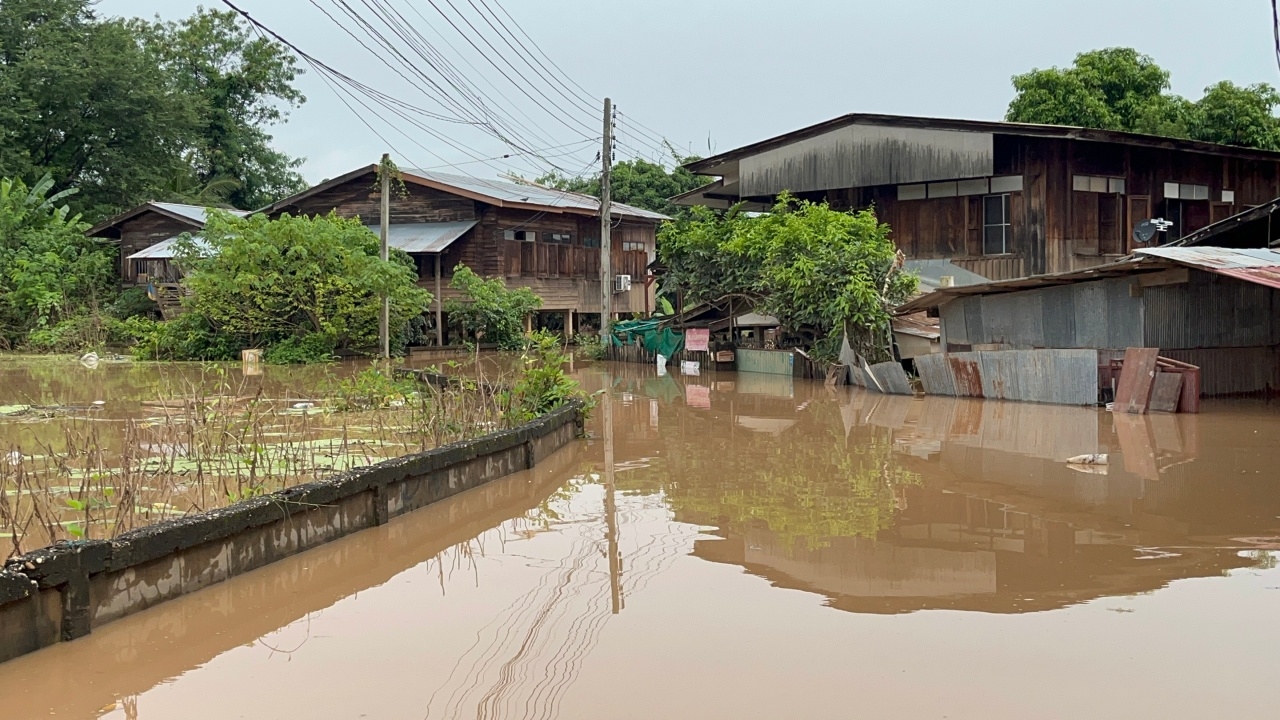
point(1054, 227)
point(565, 275)
point(141, 233)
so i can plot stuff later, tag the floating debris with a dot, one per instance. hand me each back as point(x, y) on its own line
point(89, 360)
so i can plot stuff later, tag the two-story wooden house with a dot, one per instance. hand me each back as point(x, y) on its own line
point(531, 236)
point(999, 199)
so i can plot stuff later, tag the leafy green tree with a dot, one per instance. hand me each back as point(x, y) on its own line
point(127, 109)
point(49, 271)
point(821, 272)
point(488, 310)
point(239, 84)
point(1122, 89)
point(271, 281)
point(638, 182)
point(86, 104)
point(1234, 115)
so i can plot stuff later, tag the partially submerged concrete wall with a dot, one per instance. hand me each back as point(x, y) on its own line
point(64, 591)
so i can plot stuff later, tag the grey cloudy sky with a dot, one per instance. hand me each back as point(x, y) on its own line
point(729, 73)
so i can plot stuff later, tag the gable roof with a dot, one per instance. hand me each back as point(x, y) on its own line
point(192, 215)
point(500, 193)
point(711, 165)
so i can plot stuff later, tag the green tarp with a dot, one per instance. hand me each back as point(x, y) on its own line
point(654, 338)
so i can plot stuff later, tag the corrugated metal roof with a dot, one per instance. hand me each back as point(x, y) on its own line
point(196, 213)
point(1259, 266)
point(510, 192)
point(1211, 258)
point(163, 250)
point(425, 237)
point(931, 272)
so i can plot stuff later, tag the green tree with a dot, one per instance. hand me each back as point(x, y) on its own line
point(638, 182)
point(287, 280)
point(821, 272)
point(1234, 115)
point(84, 103)
point(488, 310)
point(125, 110)
point(49, 271)
point(1122, 89)
point(240, 84)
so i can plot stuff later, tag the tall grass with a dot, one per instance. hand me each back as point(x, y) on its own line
point(212, 440)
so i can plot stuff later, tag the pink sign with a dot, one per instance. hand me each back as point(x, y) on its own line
point(697, 339)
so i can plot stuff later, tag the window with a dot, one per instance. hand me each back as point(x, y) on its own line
point(520, 235)
point(1096, 184)
point(995, 225)
point(139, 267)
point(954, 188)
point(1185, 191)
point(631, 246)
point(557, 238)
point(591, 242)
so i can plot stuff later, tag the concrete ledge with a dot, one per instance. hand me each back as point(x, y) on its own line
point(64, 591)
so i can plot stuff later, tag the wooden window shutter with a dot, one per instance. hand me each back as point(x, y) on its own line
point(973, 226)
point(1084, 222)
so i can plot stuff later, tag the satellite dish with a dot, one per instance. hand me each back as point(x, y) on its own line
point(1145, 231)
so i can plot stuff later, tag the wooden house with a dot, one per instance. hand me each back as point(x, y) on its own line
point(146, 235)
point(1002, 200)
point(531, 236)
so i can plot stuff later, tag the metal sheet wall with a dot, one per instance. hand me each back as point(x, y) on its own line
point(1094, 315)
point(1211, 312)
point(1059, 377)
point(1233, 371)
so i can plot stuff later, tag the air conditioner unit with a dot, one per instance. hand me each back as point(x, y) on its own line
point(621, 283)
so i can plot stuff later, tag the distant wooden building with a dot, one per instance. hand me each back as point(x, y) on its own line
point(1002, 200)
point(146, 235)
point(531, 236)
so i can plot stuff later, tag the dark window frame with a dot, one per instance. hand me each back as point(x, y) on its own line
point(1004, 227)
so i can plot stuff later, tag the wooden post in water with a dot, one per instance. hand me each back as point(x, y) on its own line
point(610, 507)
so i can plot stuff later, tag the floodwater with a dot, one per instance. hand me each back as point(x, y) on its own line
point(762, 548)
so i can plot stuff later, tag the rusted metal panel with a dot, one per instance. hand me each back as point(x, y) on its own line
point(867, 155)
point(966, 369)
point(1166, 392)
point(935, 374)
point(1133, 393)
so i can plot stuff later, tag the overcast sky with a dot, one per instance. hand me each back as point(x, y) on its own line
point(731, 72)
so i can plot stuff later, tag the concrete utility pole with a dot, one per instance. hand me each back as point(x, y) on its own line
point(384, 319)
point(606, 244)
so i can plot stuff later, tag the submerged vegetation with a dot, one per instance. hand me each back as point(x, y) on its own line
point(213, 438)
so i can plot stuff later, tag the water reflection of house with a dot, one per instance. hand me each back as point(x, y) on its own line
point(1001, 523)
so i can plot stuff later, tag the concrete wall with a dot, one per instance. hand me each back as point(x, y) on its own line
point(65, 591)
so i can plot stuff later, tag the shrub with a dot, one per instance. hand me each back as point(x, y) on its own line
point(305, 350)
point(543, 385)
point(589, 346)
point(489, 311)
point(134, 302)
point(187, 337)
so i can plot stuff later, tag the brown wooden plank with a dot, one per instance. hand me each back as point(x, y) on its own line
point(1133, 393)
point(1165, 392)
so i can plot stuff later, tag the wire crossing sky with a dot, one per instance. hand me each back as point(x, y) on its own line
point(492, 87)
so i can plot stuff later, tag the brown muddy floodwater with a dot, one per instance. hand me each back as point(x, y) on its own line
point(762, 549)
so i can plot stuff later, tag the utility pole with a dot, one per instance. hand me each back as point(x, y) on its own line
point(384, 319)
point(606, 244)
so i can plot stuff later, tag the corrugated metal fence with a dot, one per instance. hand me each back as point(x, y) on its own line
point(1060, 377)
